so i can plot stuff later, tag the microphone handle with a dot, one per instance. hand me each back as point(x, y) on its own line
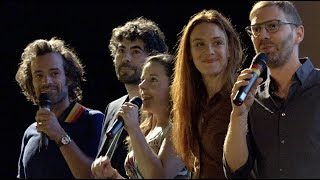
point(44, 141)
point(119, 123)
point(115, 128)
point(244, 90)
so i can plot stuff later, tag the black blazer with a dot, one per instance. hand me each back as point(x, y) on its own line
point(121, 151)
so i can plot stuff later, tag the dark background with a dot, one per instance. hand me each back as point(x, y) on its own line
point(87, 27)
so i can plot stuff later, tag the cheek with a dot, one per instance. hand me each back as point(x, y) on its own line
point(195, 57)
point(255, 42)
point(36, 85)
point(163, 94)
point(226, 56)
point(194, 53)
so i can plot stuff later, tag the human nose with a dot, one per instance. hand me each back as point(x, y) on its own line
point(46, 79)
point(127, 57)
point(142, 84)
point(210, 49)
point(263, 34)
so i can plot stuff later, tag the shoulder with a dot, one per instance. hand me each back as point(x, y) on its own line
point(114, 105)
point(119, 101)
point(93, 113)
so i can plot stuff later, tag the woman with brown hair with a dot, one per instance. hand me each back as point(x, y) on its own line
point(207, 59)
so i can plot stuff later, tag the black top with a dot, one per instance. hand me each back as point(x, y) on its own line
point(284, 136)
point(120, 151)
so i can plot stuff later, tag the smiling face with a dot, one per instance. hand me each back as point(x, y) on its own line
point(48, 76)
point(209, 49)
point(154, 87)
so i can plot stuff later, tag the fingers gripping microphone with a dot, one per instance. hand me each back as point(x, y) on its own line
point(118, 124)
point(44, 102)
point(257, 67)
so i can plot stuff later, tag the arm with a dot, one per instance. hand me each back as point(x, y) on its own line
point(21, 168)
point(235, 148)
point(165, 164)
point(78, 161)
point(235, 145)
point(245, 171)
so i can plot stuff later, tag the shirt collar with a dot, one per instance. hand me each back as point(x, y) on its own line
point(300, 75)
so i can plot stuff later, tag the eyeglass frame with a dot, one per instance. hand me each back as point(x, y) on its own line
point(279, 23)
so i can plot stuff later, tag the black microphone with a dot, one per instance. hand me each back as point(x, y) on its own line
point(44, 102)
point(118, 124)
point(259, 63)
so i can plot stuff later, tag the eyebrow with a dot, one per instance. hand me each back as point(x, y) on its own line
point(133, 47)
point(51, 69)
point(214, 38)
point(257, 24)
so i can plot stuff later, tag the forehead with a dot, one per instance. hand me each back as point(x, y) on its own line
point(153, 68)
point(267, 14)
point(126, 43)
point(46, 62)
point(206, 30)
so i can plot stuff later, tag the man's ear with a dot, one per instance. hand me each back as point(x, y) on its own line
point(299, 34)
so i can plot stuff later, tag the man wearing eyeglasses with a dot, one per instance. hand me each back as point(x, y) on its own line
point(275, 133)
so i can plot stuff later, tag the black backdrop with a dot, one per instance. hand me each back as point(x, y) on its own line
point(86, 26)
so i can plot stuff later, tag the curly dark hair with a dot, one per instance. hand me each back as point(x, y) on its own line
point(73, 67)
point(143, 29)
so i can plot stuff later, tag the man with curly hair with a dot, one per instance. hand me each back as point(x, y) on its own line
point(129, 45)
point(72, 131)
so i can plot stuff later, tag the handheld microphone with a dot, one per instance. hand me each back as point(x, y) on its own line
point(44, 102)
point(118, 124)
point(259, 63)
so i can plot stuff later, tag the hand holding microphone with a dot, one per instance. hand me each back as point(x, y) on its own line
point(44, 102)
point(258, 66)
point(118, 124)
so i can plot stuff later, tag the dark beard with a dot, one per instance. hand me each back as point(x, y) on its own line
point(59, 99)
point(129, 79)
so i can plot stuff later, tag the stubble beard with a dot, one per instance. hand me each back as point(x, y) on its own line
point(282, 53)
point(127, 78)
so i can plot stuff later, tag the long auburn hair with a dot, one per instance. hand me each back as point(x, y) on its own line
point(188, 90)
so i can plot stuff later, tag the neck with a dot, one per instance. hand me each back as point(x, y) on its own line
point(60, 107)
point(283, 77)
point(160, 119)
point(133, 90)
point(213, 84)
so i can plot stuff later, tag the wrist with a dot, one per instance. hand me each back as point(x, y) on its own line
point(64, 140)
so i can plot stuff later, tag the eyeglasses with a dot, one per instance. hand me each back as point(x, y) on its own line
point(270, 26)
